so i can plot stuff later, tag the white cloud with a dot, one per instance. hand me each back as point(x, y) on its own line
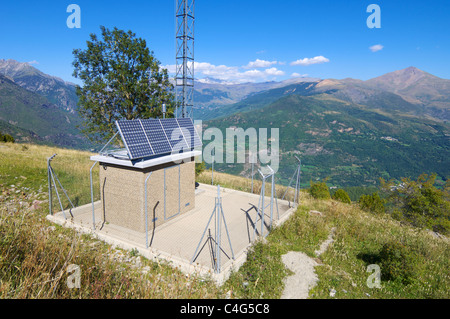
point(232, 74)
point(260, 64)
point(298, 75)
point(33, 62)
point(376, 47)
point(274, 71)
point(308, 61)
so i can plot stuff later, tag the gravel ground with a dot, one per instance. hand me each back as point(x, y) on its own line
point(304, 278)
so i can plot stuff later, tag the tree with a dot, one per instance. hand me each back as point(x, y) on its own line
point(319, 190)
point(342, 196)
point(372, 203)
point(121, 80)
point(420, 202)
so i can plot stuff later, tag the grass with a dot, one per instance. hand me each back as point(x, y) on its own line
point(35, 254)
point(25, 167)
point(35, 257)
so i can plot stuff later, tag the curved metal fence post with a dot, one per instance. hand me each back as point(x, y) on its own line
point(146, 210)
point(57, 194)
point(92, 197)
point(60, 185)
point(50, 202)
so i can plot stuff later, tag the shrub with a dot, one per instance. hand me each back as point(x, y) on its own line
point(342, 196)
point(319, 190)
point(397, 262)
point(372, 203)
point(6, 138)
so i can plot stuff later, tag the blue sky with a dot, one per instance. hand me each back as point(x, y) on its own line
point(246, 40)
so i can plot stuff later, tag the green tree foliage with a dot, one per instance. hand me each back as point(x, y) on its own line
point(421, 203)
point(355, 192)
point(319, 190)
point(342, 196)
point(121, 80)
point(6, 138)
point(372, 203)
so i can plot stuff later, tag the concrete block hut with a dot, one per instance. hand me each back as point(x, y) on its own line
point(152, 179)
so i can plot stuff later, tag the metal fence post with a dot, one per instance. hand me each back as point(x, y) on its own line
point(50, 201)
point(50, 204)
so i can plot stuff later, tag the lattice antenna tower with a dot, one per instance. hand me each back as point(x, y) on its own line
point(184, 76)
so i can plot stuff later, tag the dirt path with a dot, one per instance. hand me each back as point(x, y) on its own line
point(304, 278)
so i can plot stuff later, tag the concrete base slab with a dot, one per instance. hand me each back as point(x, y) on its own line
point(176, 240)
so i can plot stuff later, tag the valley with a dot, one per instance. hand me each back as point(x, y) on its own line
point(350, 132)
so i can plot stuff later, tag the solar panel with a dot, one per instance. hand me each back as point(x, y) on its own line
point(134, 138)
point(192, 137)
point(174, 134)
point(145, 138)
point(156, 136)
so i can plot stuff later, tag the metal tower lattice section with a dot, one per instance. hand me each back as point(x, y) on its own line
point(184, 76)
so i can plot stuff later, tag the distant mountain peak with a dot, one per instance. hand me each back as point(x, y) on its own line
point(411, 71)
point(13, 68)
point(401, 79)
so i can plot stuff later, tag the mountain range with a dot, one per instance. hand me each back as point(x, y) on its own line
point(57, 91)
point(347, 130)
point(350, 131)
point(38, 108)
point(410, 89)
